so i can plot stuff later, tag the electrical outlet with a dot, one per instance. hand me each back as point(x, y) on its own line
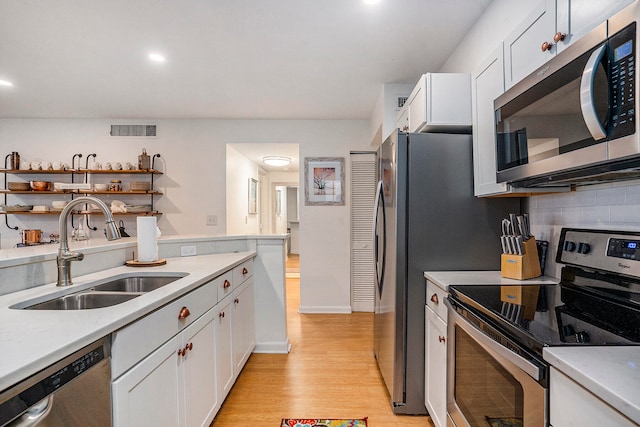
point(188, 250)
point(212, 219)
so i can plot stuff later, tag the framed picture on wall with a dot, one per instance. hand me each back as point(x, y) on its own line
point(253, 196)
point(324, 181)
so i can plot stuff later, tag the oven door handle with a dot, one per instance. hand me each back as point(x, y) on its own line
point(531, 369)
point(587, 103)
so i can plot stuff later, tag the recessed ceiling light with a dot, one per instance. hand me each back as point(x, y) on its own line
point(276, 160)
point(156, 57)
point(5, 83)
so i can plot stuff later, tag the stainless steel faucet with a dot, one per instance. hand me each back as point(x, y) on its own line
point(65, 256)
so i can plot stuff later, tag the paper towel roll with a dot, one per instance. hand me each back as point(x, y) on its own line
point(147, 238)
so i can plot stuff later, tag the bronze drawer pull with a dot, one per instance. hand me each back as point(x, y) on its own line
point(184, 313)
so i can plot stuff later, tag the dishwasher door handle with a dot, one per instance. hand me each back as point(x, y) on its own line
point(34, 414)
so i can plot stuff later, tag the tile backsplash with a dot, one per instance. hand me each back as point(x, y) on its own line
point(614, 206)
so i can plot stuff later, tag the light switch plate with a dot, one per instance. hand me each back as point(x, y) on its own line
point(188, 250)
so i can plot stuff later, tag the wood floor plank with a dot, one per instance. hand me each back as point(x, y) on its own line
point(329, 373)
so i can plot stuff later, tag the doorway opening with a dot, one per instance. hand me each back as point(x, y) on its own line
point(277, 198)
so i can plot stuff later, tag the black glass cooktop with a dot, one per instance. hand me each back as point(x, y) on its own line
point(580, 311)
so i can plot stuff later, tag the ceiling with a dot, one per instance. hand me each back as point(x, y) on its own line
point(248, 59)
point(256, 151)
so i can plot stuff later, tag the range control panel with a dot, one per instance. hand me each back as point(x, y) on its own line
point(612, 251)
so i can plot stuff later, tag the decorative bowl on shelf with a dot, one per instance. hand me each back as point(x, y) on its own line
point(100, 187)
point(18, 186)
point(40, 185)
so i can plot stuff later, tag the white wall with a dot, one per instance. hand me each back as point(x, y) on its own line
point(239, 170)
point(194, 184)
point(607, 206)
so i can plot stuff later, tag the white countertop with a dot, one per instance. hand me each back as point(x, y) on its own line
point(610, 373)
point(444, 279)
point(33, 339)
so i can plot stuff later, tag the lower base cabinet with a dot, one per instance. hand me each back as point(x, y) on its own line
point(572, 405)
point(244, 325)
point(224, 354)
point(183, 382)
point(175, 385)
point(436, 368)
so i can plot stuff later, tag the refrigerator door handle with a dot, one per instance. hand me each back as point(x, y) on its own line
point(379, 206)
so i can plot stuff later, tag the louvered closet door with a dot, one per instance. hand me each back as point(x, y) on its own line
point(363, 194)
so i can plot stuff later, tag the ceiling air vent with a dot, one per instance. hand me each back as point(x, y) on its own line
point(141, 131)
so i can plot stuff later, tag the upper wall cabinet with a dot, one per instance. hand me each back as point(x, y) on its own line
point(487, 84)
point(523, 51)
point(575, 18)
point(439, 102)
point(549, 29)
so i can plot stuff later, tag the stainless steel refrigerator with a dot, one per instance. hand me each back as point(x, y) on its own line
point(427, 218)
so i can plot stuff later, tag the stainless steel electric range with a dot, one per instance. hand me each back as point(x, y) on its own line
point(497, 333)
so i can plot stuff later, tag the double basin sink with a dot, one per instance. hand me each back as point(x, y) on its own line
point(103, 293)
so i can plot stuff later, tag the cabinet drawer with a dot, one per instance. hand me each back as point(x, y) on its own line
point(133, 342)
point(242, 272)
point(224, 284)
point(435, 300)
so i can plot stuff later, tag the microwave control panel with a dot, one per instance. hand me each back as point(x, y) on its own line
point(622, 82)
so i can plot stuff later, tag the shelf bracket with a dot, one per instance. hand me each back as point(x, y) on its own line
point(6, 218)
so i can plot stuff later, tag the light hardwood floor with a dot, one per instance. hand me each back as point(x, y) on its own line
point(329, 373)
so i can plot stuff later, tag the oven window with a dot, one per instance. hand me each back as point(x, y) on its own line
point(485, 392)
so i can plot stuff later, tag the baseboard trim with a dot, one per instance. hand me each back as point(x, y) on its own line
point(324, 309)
point(273, 347)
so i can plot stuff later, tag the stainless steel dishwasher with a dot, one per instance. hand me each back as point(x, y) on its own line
point(74, 391)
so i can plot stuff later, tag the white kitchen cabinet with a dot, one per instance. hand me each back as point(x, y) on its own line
point(180, 375)
point(571, 405)
point(523, 47)
point(575, 18)
point(440, 101)
point(435, 369)
point(200, 390)
point(558, 23)
point(225, 374)
point(187, 354)
point(244, 327)
point(487, 85)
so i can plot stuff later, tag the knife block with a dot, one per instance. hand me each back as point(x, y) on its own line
point(521, 267)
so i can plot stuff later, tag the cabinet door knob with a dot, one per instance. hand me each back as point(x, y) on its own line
point(546, 46)
point(434, 299)
point(184, 313)
point(441, 338)
point(181, 352)
point(559, 37)
point(226, 284)
point(221, 314)
point(189, 346)
point(245, 271)
point(236, 300)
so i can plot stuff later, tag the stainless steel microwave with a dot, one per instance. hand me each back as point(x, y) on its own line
point(573, 121)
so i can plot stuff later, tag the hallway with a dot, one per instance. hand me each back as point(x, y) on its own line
point(330, 372)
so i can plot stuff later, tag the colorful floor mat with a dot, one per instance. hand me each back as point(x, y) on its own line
point(291, 422)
